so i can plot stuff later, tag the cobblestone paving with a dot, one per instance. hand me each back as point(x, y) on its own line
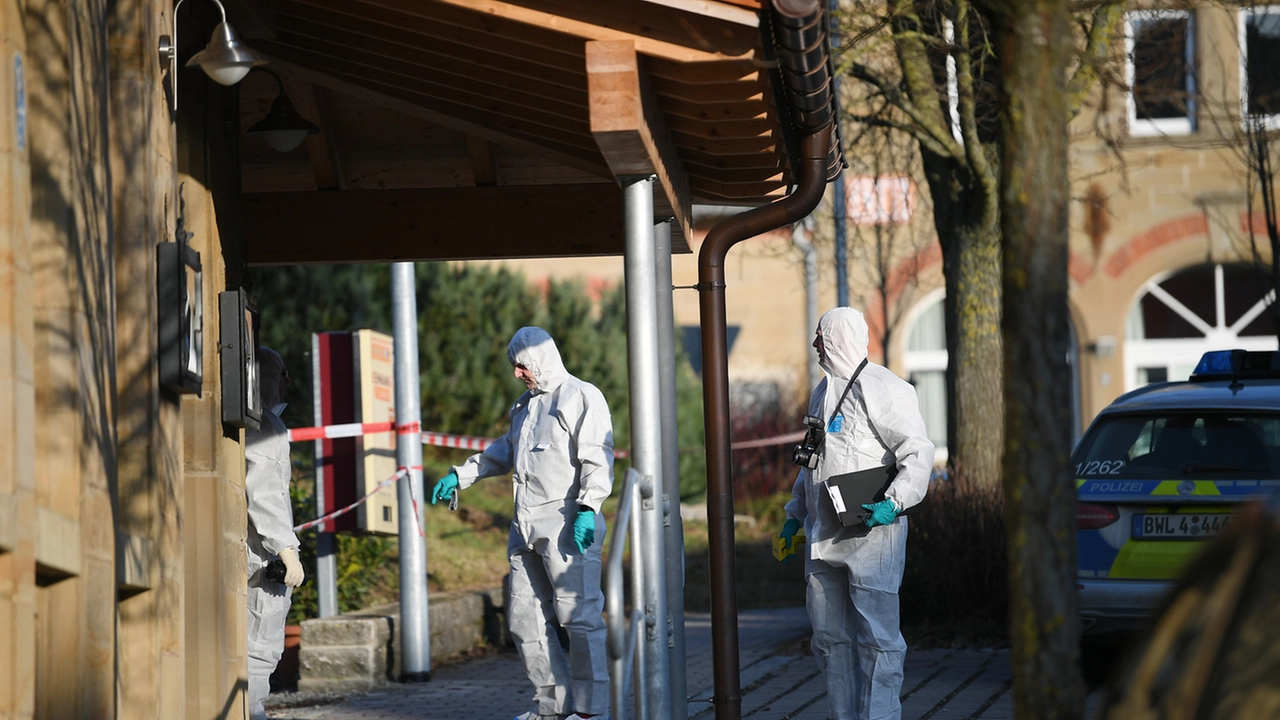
point(779, 679)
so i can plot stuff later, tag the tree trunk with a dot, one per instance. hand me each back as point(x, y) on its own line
point(1034, 46)
point(968, 225)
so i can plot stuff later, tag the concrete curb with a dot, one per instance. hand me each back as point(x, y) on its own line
point(360, 650)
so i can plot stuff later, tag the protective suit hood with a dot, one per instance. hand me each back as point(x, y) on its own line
point(844, 340)
point(533, 348)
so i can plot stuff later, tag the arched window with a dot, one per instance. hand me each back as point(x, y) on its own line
point(926, 363)
point(1179, 316)
point(926, 366)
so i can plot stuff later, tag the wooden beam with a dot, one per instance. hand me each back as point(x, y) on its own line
point(466, 223)
point(720, 11)
point(459, 77)
point(564, 81)
point(484, 166)
point(631, 133)
point(528, 107)
point(489, 128)
point(505, 48)
point(754, 128)
point(656, 31)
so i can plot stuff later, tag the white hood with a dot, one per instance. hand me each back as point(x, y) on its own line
point(533, 348)
point(844, 339)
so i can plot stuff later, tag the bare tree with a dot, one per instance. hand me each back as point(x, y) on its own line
point(1035, 48)
point(927, 68)
point(885, 240)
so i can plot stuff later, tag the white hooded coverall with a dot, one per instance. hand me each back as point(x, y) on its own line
point(559, 450)
point(266, 485)
point(853, 574)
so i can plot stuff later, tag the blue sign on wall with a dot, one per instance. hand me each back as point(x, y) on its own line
point(20, 88)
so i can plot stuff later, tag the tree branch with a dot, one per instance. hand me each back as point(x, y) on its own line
point(967, 106)
point(930, 133)
point(1097, 52)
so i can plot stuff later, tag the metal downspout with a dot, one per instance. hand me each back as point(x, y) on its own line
point(814, 151)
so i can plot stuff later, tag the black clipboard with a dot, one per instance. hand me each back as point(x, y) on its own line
point(858, 488)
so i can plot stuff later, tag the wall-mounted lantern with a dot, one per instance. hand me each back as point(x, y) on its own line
point(225, 59)
point(283, 128)
point(238, 349)
point(180, 310)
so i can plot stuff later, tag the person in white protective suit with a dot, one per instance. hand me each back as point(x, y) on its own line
point(559, 450)
point(266, 487)
point(853, 573)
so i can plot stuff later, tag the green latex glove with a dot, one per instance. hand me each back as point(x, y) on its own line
point(882, 513)
point(584, 530)
point(789, 530)
point(444, 486)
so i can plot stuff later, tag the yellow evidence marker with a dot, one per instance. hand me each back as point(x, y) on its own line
point(780, 550)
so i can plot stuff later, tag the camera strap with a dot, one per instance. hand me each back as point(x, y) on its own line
point(845, 394)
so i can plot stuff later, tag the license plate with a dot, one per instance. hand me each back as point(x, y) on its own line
point(1167, 526)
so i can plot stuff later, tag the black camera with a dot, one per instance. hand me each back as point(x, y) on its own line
point(275, 570)
point(806, 453)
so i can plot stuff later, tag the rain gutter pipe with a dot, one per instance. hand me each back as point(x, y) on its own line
point(798, 30)
point(814, 149)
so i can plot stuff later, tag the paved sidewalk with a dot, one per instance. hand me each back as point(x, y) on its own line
point(780, 680)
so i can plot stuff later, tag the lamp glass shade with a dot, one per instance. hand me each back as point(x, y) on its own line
point(226, 60)
point(284, 140)
point(283, 128)
point(226, 73)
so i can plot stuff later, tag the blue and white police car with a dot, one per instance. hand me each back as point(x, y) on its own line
point(1164, 469)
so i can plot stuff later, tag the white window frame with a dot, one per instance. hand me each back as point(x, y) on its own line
point(924, 360)
point(1160, 126)
point(1176, 354)
point(1270, 122)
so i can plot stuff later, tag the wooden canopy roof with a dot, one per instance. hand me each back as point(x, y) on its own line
point(460, 129)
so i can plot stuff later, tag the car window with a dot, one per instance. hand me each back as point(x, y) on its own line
point(1192, 445)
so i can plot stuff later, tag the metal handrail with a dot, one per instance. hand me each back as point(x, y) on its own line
point(626, 657)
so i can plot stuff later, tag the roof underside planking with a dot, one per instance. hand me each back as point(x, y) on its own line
point(462, 129)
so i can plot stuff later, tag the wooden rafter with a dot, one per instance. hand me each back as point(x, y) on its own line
point(656, 31)
point(438, 49)
point(472, 124)
point(466, 115)
point(529, 106)
point(629, 128)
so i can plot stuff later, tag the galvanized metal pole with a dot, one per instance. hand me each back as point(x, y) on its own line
point(813, 371)
point(646, 436)
point(415, 628)
point(839, 203)
point(842, 261)
point(326, 547)
point(670, 492)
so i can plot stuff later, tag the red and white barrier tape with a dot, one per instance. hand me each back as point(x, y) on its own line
point(348, 430)
point(471, 442)
point(769, 442)
point(342, 511)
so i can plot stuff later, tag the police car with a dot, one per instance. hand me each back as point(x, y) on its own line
point(1164, 469)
